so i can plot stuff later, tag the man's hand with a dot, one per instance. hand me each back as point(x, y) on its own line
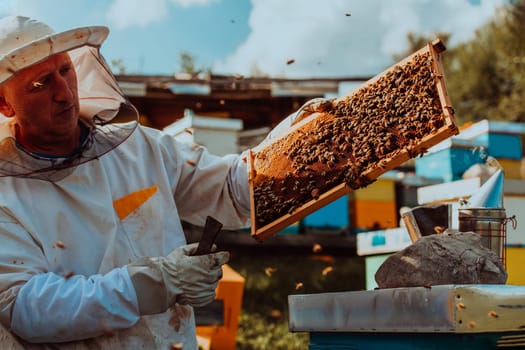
point(180, 277)
point(315, 105)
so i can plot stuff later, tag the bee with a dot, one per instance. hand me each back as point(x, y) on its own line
point(317, 248)
point(37, 84)
point(460, 306)
point(327, 270)
point(276, 314)
point(59, 244)
point(439, 229)
point(269, 271)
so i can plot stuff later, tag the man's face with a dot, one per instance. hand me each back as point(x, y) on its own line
point(44, 100)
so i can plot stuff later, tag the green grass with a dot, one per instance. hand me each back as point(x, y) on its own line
point(264, 315)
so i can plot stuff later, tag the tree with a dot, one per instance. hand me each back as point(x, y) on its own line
point(486, 75)
point(187, 63)
point(118, 65)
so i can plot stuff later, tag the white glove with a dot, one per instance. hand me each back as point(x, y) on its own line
point(180, 277)
point(315, 105)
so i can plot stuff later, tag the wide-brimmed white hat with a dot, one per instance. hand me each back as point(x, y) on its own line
point(25, 41)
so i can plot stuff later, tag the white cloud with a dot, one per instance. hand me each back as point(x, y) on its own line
point(128, 13)
point(345, 38)
point(460, 18)
point(325, 38)
point(188, 3)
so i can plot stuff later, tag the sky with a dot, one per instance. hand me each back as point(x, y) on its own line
point(323, 38)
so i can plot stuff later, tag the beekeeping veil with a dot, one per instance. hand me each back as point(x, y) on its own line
point(25, 42)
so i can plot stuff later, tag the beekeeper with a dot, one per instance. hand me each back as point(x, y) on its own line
point(92, 251)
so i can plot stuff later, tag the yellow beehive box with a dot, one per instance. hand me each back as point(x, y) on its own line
point(381, 190)
point(511, 168)
point(515, 260)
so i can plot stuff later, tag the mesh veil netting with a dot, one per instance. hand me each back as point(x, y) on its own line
point(101, 102)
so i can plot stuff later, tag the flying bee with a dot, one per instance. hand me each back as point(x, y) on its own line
point(59, 244)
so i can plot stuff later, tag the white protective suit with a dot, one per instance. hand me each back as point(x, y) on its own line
point(69, 226)
point(107, 213)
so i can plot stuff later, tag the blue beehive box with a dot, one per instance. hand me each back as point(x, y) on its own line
point(332, 217)
point(448, 160)
point(506, 146)
point(501, 139)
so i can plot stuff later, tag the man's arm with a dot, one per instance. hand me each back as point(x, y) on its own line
point(42, 306)
point(53, 308)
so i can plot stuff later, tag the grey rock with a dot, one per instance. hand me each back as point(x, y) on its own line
point(449, 258)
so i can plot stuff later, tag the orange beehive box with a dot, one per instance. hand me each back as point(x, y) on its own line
point(392, 118)
point(369, 215)
point(230, 290)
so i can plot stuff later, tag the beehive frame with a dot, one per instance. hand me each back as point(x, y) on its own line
point(447, 129)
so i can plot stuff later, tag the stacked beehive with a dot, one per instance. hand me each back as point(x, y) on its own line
point(501, 140)
point(449, 160)
point(375, 206)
